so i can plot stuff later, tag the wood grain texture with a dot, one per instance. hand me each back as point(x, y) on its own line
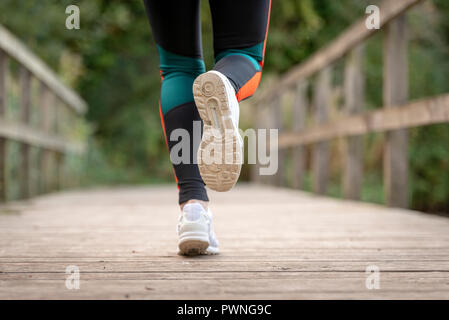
point(25, 115)
point(300, 104)
point(417, 113)
point(320, 152)
point(353, 146)
point(3, 70)
point(396, 93)
point(2, 170)
point(300, 246)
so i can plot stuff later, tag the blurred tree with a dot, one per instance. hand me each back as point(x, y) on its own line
point(113, 63)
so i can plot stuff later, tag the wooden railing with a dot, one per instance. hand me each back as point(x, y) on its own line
point(394, 118)
point(41, 124)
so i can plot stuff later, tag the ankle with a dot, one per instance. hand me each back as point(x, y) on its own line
point(205, 204)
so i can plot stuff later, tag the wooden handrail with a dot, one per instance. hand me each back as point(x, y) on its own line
point(348, 40)
point(18, 51)
point(394, 118)
point(25, 134)
point(418, 113)
point(59, 109)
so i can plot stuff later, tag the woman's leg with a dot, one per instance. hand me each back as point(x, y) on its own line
point(177, 32)
point(240, 33)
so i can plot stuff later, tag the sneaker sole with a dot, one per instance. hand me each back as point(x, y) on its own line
point(210, 96)
point(212, 251)
point(193, 247)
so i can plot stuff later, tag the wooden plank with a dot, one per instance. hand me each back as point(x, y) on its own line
point(285, 254)
point(3, 170)
point(428, 278)
point(217, 266)
point(268, 119)
point(124, 252)
point(44, 100)
point(25, 95)
point(17, 50)
point(59, 170)
point(58, 110)
point(3, 72)
point(316, 286)
point(320, 152)
point(353, 147)
point(396, 93)
point(350, 38)
point(299, 121)
point(422, 112)
point(35, 137)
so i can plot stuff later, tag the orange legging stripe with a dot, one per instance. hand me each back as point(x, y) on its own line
point(250, 87)
point(266, 35)
point(165, 136)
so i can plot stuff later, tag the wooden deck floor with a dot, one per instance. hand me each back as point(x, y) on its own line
point(276, 244)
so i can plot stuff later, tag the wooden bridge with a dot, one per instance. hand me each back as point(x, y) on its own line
point(276, 242)
point(300, 246)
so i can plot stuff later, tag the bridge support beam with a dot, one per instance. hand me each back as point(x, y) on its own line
point(25, 152)
point(320, 155)
point(299, 121)
point(3, 70)
point(353, 147)
point(395, 94)
point(278, 123)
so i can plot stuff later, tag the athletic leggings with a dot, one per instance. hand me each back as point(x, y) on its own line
point(239, 33)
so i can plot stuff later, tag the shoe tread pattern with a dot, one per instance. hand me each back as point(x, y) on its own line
point(210, 93)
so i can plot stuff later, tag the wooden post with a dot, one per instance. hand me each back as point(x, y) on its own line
point(396, 93)
point(3, 71)
point(49, 127)
point(25, 93)
point(354, 99)
point(258, 124)
point(299, 120)
point(267, 124)
point(59, 168)
point(276, 111)
point(44, 101)
point(58, 156)
point(320, 157)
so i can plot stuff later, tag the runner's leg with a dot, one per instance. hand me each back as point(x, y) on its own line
point(177, 32)
point(240, 32)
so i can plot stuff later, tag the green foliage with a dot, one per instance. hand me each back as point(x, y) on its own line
point(429, 168)
point(112, 62)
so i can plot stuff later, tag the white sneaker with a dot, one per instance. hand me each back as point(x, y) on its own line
point(195, 231)
point(219, 110)
point(213, 242)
